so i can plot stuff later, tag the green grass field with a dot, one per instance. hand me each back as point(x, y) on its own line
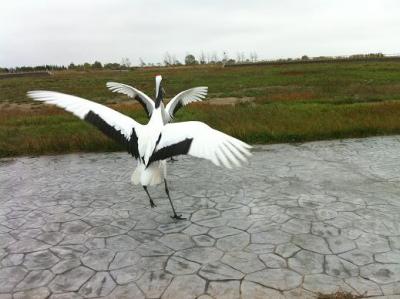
point(292, 103)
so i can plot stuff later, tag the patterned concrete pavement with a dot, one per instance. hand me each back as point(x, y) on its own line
point(298, 220)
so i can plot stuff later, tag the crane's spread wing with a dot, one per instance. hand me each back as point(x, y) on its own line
point(185, 97)
point(199, 140)
point(141, 97)
point(115, 125)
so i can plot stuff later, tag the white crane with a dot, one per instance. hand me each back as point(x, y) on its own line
point(156, 141)
point(181, 99)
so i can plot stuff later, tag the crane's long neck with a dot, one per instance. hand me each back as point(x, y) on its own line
point(159, 91)
point(157, 115)
point(156, 118)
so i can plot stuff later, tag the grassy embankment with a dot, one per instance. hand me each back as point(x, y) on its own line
point(292, 103)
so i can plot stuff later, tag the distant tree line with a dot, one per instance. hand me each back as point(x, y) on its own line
point(355, 56)
point(47, 67)
point(210, 58)
point(306, 59)
point(97, 65)
point(204, 58)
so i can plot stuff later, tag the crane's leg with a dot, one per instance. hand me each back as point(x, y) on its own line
point(172, 160)
point(176, 216)
point(152, 204)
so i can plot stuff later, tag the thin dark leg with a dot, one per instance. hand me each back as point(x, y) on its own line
point(152, 204)
point(176, 216)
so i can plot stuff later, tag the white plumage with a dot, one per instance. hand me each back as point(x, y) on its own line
point(185, 97)
point(145, 100)
point(152, 175)
point(151, 144)
point(218, 147)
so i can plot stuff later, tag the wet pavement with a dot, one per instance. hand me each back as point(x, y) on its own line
point(296, 221)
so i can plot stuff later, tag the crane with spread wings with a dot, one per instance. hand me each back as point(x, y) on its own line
point(158, 140)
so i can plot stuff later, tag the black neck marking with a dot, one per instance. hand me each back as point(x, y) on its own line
point(158, 140)
point(159, 97)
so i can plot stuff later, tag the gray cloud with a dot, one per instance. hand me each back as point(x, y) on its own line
point(59, 32)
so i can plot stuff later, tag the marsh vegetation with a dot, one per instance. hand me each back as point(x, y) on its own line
point(289, 103)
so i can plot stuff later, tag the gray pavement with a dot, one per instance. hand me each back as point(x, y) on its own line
point(298, 220)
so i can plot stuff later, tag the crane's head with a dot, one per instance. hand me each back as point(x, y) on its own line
point(159, 91)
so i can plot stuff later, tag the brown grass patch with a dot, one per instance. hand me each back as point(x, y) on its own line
point(131, 106)
point(293, 73)
point(292, 96)
point(369, 89)
point(14, 110)
point(229, 101)
point(26, 110)
point(339, 295)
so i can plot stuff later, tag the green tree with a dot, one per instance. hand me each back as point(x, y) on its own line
point(87, 66)
point(190, 60)
point(97, 65)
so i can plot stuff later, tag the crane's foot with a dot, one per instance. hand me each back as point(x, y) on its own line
point(152, 204)
point(178, 217)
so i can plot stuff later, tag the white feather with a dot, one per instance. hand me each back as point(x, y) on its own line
point(132, 92)
point(207, 143)
point(185, 97)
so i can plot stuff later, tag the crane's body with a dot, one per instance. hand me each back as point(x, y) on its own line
point(156, 172)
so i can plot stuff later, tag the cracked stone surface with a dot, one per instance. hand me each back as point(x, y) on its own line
point(297, 221)
point(101, 284)
point(307, 262)
point(219, 271)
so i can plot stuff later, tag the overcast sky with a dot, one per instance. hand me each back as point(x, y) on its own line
point(34, 32)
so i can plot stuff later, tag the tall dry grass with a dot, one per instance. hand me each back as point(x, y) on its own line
point(55, 131)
